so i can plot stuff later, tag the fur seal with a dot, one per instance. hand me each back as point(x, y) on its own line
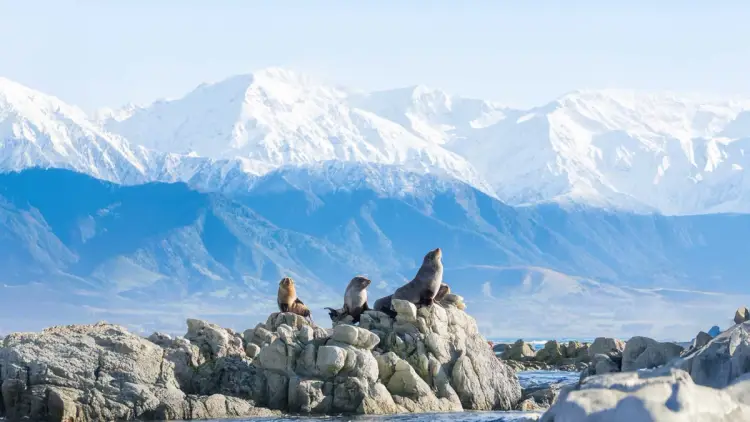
point(442, 291)
point(425, 285)
point(384, 305)
point(355, 300)
point(288, 300)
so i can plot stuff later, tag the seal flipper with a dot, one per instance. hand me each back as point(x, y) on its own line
point(426, 298)
point(334, 314)
point(283, 307)
point(365, 307)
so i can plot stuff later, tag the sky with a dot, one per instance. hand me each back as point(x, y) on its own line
point(107, 53)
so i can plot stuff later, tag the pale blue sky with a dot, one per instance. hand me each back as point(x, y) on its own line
point(104, 52)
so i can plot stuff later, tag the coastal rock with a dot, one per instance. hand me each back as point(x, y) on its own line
point(100, 372)
point(646, 353)
point(519, 350)
point(611, 347)
point(741, 315)
point(647, 396)
point(214, 341)
point(721, 361)
point(437, 362)
point(552, 353)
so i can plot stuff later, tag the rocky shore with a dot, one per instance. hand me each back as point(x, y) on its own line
point(423, 360)
point(426, 360)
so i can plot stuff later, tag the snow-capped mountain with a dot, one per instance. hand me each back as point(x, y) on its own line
point(278, 118)
point(40, 130)
point(609, 148)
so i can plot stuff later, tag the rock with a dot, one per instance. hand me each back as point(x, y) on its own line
point(645, 353)
point(539, 397)
point(724, 359)
point(741, 315)
point(603, 364)
point(701, 340)
point(406, 310)
point(103, 372)
point(212, 340)
point(552, 353)
point(437, 362)
point(606, 346)
point(644, 396)
point(160, 339)
point(519, 350)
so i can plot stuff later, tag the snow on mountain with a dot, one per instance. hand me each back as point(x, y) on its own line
point(619, 148)
point(40, 130)
point(645, 152)
point(279, 118)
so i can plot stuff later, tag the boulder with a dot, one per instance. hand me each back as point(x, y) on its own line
point(214, 341)
point(552, 353)
point(519, 350)
point(647, 396)
point(721, 361)
point(741, 315)
point(606, 346)
point(701, 340)
point(103, 372)
point(646, 353)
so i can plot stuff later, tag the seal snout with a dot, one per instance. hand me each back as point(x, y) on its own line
point(438, 253)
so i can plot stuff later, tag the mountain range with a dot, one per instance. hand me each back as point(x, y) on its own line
point(616, 204)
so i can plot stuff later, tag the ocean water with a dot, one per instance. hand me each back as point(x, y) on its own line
point(536, 378)
point(424, 417)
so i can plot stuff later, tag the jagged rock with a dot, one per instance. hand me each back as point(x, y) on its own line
point(741, 315)
point(539, 397)
point(436, 362)
point(102, 372)
point(552, 353)
point(722, 360)
point(160, 339)
point(606, 346)
point(701, 340)
point(645, 353)
point(519, 350)
point(405, 310)
point(214, 341)
point(577, 350)
point(647, 396)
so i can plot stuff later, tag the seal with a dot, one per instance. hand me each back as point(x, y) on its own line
point(442, 291)
point(288, 301)
point(355, 300)
point(425, 285)
point(384, 305)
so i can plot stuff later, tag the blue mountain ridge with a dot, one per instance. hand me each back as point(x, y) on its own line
point(156, 243)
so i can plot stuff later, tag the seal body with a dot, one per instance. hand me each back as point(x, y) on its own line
point(384, 305)
point(442, 292)
point(426, 284)
point(355, 300)
point(288, 301)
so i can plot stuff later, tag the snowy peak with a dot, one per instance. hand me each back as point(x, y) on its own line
point(281, 118)
point(41, 130)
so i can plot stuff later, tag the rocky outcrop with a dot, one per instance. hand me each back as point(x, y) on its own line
point(611, 347)
point(102, 372)
point(741, 315)
point(425, 360)
point(722, 360)
point(572, 356)
point(646, 353)
point(649, 396)
point(520, 350)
